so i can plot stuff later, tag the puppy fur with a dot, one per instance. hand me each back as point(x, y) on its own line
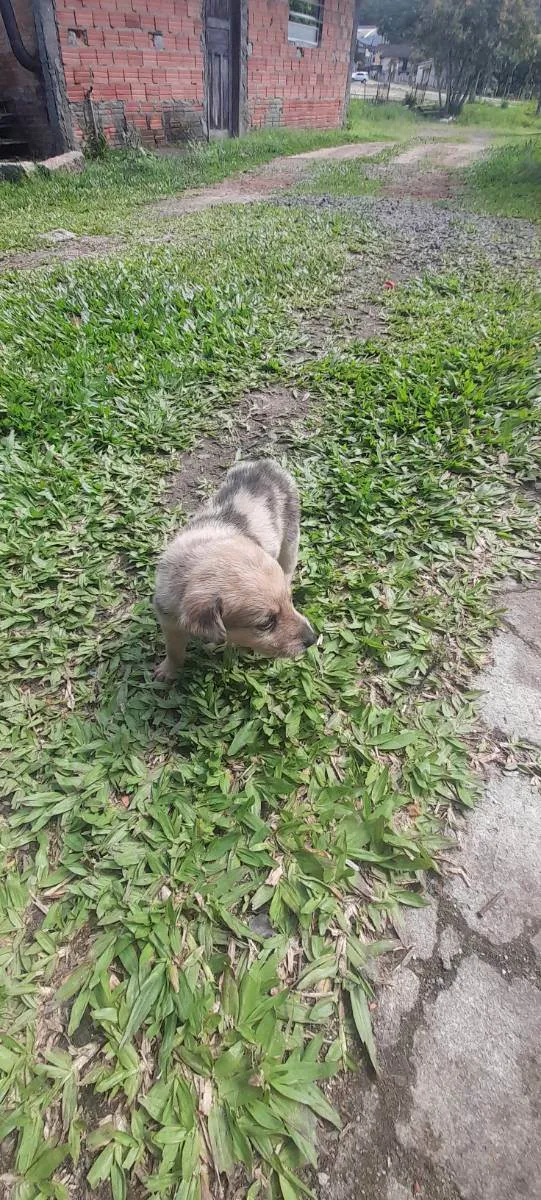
point(227, 576)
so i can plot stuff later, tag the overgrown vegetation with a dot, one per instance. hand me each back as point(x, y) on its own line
point(513, 119)
point(108, 196)
point(507, 182)
point(194, 879)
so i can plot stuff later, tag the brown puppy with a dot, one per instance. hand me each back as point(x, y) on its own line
point(227, 576)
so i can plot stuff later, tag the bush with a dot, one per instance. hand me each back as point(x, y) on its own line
point(513, 117)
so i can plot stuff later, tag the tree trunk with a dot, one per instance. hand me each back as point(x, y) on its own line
point(473, 89)
point(459, 91)
point(449, 88)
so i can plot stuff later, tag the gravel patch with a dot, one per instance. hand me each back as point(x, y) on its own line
point(430, 236)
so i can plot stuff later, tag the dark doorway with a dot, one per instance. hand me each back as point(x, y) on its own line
point(222, 33)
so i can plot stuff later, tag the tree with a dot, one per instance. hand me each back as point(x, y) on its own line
point(536, 73)
point(466, 39)
point(396, 19)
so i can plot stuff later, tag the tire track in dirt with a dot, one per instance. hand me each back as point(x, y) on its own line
point(429, 171)
point(444, 153)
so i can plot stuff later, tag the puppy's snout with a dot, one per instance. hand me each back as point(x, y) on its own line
point(309, 638)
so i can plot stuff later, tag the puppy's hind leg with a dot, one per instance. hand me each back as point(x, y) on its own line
point(176, 641)
point(289, 551)
point(291, 516)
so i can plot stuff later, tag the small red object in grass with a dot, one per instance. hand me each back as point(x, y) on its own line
point(389, 283)
point(125, 801)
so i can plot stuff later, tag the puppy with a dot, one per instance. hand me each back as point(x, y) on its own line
point(227, 576)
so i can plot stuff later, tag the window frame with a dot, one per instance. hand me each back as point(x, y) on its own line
point(313, 21)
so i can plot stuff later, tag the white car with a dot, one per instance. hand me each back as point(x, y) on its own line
point(360, 77)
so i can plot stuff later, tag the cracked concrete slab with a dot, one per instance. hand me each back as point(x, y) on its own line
point(455, 1113)
point(523, 615)
point(418, 930)
point(481, 1039)
point(501, 858)
point(512, 684)
point(512, 687)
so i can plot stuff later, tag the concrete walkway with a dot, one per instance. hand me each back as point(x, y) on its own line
point(456, 1113)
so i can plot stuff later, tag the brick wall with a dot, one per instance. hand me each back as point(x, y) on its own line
point(21, 91)
point(142, 63)
point(294, 85)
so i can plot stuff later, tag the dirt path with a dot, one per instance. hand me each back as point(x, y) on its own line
point(278, 176)
point(443, 153)
point(248, 187)
point(429, 170)
point(77, 247)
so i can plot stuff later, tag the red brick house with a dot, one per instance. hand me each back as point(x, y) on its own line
point(158, 71)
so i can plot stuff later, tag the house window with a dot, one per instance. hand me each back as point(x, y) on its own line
point(305, 21)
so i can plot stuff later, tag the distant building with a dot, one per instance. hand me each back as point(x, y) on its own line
point(425, 75)
point(395, 59)
point(368, 35)
point(367, 39)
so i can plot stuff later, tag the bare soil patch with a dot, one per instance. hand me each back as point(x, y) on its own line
point(434, 185)
point(261, 421)
point(83, 247)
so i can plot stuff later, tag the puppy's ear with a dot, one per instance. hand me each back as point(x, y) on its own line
point(205, 621)
point(211, 625)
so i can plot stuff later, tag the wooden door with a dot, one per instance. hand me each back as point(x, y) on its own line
point(222, 66)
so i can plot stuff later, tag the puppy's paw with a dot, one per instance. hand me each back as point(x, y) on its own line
point(164, 671)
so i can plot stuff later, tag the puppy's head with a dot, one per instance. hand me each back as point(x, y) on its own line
point(242, 597)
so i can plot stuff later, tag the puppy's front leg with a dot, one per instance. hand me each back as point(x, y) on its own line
point(176, 641)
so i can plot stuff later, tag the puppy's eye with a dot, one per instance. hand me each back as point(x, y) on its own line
point(268, 624)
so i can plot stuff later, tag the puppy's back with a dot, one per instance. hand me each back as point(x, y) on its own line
point(259, 499)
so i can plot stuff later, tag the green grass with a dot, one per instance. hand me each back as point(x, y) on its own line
point(194, 879)
point(507, 182)
point(348, 178)
point(352, 177)
point(368, 120)
point(515, 118)
point(108, 197)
